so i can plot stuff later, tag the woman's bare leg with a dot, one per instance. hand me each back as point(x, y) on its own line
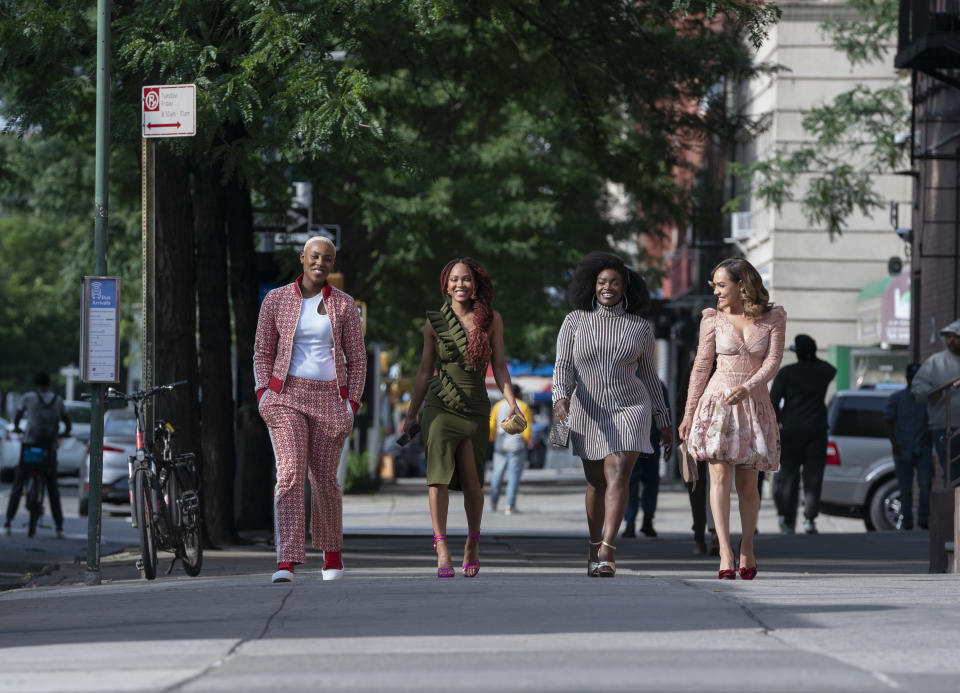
point(748, 495)
point(439, 496)
point(616, 470)
point(594, 502)
point(720, 477)
point(472, 498)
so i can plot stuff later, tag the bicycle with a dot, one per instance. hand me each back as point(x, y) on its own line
point(34, 460)
point(164, 492)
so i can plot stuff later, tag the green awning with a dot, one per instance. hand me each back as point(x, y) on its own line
point(873, 289)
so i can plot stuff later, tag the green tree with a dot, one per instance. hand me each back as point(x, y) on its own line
point(430, 130)
point(502, 128)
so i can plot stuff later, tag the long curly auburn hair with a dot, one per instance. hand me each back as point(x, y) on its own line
point(478, 343)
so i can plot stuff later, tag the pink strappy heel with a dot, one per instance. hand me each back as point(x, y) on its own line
point(471, 569)
point(441, 572)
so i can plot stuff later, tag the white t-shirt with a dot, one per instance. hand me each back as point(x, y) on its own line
point(313, 343)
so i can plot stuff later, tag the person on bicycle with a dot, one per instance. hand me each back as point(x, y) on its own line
point(44, 411)
point(309, 365)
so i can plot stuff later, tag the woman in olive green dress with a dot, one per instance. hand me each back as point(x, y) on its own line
point(458, 342)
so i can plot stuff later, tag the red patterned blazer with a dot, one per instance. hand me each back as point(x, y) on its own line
point(273, 346)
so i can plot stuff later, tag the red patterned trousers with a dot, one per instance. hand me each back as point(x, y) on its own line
point(309, 424)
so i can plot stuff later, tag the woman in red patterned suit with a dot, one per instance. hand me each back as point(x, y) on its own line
point(309, 365)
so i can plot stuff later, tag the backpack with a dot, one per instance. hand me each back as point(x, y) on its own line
point(46, 423)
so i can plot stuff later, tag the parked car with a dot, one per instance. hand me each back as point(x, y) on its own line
point(119, 442)
point(73, 448)
point(860, 480)
point(9, 450)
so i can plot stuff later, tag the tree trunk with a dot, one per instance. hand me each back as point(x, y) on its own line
point(216, 378)
point(176, 308)
point(256, 470)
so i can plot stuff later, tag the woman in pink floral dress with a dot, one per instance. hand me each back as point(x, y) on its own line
point(729, 419)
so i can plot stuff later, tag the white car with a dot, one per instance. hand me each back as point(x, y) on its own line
point(9, 450)
point(119, 443)
point(70, 453)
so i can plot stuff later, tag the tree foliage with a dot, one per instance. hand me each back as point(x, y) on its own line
point(430, 129)
point(852, 138)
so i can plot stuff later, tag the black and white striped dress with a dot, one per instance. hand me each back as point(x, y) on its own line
point(605, 367)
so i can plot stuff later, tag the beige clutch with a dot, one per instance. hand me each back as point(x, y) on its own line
point(688, 465)
point(513, 424)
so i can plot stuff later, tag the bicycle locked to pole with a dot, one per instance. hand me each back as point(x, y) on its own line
point(164, 492)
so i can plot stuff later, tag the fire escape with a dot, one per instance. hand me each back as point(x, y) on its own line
point(929, 45)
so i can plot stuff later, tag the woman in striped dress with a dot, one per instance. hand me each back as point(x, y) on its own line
point(606, 388)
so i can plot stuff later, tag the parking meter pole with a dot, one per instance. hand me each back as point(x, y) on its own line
point(101, 202)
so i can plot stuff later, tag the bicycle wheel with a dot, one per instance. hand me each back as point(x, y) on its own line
point(34, 502)
point(143, 501)
point(185, 510)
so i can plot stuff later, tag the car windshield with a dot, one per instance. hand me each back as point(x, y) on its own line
point(120, 426)
point(859, 416)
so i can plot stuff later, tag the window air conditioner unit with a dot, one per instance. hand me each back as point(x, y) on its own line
point(741, 226)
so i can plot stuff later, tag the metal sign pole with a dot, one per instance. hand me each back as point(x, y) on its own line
point(101, 202)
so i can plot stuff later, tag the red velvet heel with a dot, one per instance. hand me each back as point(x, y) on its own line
point(745, 572)
point(730, 574)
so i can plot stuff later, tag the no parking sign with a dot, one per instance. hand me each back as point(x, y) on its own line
point(169, 110)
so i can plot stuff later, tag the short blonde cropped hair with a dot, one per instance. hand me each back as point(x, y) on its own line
point(321, 239)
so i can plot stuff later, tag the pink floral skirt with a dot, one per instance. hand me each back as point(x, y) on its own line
point(744, 434)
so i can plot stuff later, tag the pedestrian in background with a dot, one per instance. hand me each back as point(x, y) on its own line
point(729, 420)
point(802, 389)
point(458, 342)
point(44, 411)
point(906, 421)
point(309, 366)
point(646, 473)
point(605, 385)
point(941, 368)
point(509, 451)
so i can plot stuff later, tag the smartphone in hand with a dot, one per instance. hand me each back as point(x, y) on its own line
point(407, 436)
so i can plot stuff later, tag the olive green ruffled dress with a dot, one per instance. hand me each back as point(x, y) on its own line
point(456, 405)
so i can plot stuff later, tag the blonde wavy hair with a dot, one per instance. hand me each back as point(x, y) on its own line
point(756, 300)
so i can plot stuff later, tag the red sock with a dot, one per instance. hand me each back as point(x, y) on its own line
point(331, 559)
point(286, 565)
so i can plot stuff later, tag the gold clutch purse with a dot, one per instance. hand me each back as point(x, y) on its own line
point(513, 424)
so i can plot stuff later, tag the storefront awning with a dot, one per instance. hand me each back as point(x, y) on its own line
point(883, 311)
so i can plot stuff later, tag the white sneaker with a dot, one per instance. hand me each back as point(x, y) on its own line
point(331, 573)
point(282, 576)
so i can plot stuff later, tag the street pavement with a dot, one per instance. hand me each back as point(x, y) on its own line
point(844, 610)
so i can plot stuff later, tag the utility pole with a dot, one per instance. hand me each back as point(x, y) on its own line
point(101, 204)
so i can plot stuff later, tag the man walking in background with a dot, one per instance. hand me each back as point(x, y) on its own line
point(646, 473)
point(940, 368)
point(906, 421)
point(509, 451)
point(798, 395)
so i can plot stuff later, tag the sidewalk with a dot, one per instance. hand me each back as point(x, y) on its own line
point(840, 611)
